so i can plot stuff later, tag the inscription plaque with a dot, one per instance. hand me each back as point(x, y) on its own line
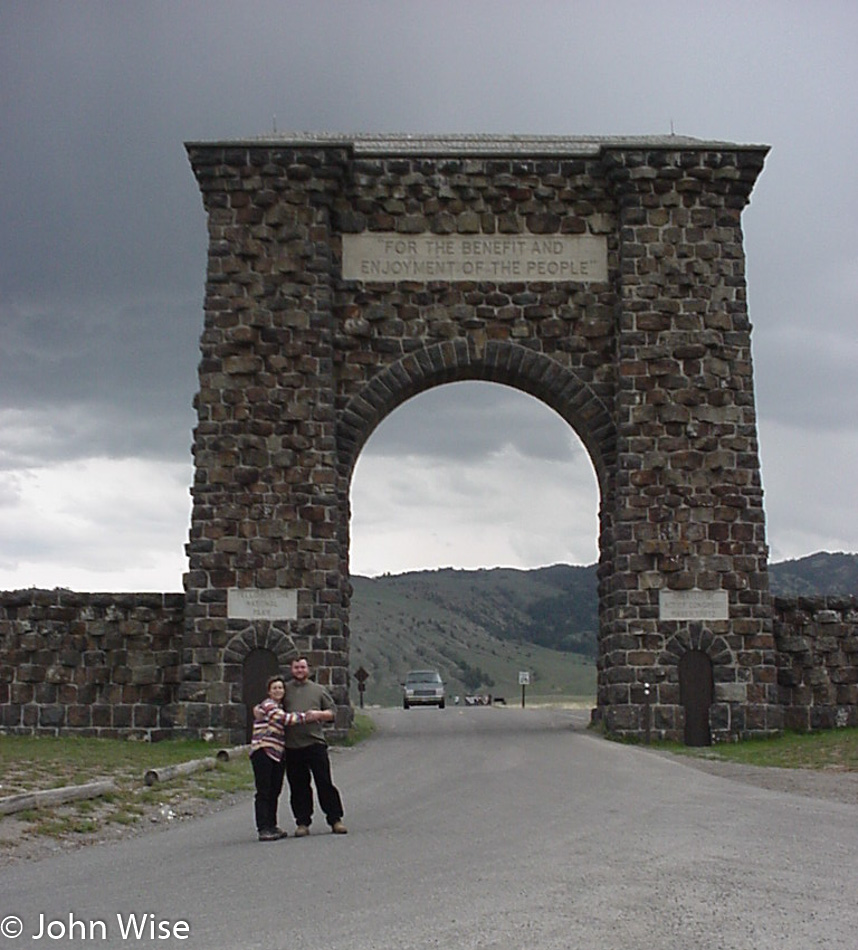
point(386, 257)
point(249, 603)
point(693, 605)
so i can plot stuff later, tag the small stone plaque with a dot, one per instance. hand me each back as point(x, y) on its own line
point(386, 257)
point(693, 605)
point(249, 603)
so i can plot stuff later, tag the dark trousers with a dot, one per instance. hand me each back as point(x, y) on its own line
point(268, 775)
point(300, 765)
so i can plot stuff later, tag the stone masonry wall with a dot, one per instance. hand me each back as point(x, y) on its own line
point(689, 511)
point(817, 651)
point(90, 664)
point(110, 664)
point(264, 445)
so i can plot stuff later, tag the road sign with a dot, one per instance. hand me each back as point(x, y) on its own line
point(523, 682)
point(361, 676)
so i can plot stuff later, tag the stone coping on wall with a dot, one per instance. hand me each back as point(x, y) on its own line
point(47, 596)
point(810, 605)
point(475, 145)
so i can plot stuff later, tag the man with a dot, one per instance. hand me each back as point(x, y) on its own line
point(307, 753)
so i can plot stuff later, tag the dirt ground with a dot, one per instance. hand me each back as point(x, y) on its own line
point(17, 844)
point(831, 785)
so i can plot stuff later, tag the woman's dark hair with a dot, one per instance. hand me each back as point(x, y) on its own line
point(274, 679)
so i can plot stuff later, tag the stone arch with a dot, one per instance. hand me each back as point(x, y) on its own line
point(604, 276)
point(696, 636)
point(499, 362)
point(258, 637)
point(684, 644)
point(242, 646)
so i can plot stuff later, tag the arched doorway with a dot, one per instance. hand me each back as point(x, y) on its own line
point(696, 690)
point(258, 665)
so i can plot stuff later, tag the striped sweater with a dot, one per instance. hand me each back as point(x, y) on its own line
point(270, 720)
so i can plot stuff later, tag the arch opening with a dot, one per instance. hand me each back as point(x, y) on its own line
point(524, 370)
point(471, 476)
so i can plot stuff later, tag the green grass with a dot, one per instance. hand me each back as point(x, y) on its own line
point(29, 763)
point(57, 826)
point(39, 762)
point(362, 728)
point(834, 750)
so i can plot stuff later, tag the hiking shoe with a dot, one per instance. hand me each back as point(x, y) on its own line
point(338, 828)
point(302, 831)
point(270, 834)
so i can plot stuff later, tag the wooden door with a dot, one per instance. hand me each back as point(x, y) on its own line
point(696, 690)
point(259, 664)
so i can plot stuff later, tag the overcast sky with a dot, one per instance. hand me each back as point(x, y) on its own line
point(103, 257)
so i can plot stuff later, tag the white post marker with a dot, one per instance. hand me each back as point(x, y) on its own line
point(523, 682)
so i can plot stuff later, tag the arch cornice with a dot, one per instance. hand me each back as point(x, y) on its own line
point(498, 361)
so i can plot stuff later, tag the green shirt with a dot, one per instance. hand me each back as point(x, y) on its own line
point(302, 697)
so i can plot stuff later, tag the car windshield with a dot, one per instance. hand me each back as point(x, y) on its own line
point(427, 676)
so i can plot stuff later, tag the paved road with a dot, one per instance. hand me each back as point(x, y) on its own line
point(479, 829)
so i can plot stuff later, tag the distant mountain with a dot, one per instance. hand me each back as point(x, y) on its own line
point(815, 575)
point(480, 628)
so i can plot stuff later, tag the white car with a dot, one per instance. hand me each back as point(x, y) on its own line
point(423, 688)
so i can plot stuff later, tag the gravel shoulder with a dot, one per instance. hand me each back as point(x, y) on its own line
point(831, 785)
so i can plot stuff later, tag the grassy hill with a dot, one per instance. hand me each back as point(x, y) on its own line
point(480, 628)
point(462, 623)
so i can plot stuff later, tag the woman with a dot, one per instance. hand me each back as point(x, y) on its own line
point(267, 743)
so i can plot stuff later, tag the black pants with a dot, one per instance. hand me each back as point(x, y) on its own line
point(300, 765)
point(268, 775)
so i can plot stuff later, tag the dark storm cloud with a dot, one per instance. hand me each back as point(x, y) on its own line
point(109, 379)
